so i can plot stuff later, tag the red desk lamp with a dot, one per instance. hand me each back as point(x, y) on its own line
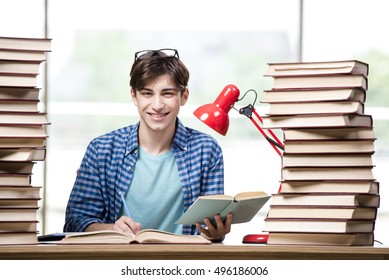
point(215, 115)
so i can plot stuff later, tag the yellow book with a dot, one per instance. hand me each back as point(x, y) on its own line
point(146, 236)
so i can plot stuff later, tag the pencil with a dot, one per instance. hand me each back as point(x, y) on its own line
point(125, 207)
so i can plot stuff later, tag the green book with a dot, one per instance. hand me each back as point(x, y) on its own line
point(244, 206)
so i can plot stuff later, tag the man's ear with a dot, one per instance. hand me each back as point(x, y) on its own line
point(133, 96)
point(185, 96)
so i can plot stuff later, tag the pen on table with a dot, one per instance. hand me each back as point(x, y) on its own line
point(125, 207)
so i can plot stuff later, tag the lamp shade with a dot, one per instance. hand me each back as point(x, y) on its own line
point(215, 114)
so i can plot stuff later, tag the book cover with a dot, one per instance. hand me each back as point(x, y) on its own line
point(26, 44)
point(319, 225)
point(329, 147)
point(309, 108)
point(16, 166)
point(19, 192)
point(313, 95)
point(327, 160)
point(22, 142)
point(323, 81)
point(18, 238)
point(23, 118)
point(346, 186)
point(327, 173)
point(19, 67)
point(321, 239)
point(243, 206)
point(18, 214)
point(326, 199)
point(23, 154)
point(317, 212)
point(19, 93)
point(12, 80)
point(18, 226)
point(344, 133)
point(319, 120)
point(318, 68)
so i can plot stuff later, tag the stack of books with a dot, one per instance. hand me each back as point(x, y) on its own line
point(22, 137)
point(329, 195)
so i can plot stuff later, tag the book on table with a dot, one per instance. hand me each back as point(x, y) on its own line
point(326, 199)
point(24, 55)
point(315, 134)
point(18, 203)
point(329, 146)
point(318, 225)
point(19, 131)
point(323, 81)
point(16, 166)
point(321, 239)
point(18, 214)
point(346, 186)
point(243, 206)
point(19, 67)
point(317, 120)
point(25, 44)
point(314, 95)
point(317, 68)
point(19, 192)
point(18, 105)
point(20, 93)
point(23, 118)
point(327, 160)
point(18, 238)
point(22, 154)
point(309, 108)
point(327, 173)
point(321, 212)
point(22, 142)
point(146, 236)
point(12, 80)
point(15, 179)
point(18, 226)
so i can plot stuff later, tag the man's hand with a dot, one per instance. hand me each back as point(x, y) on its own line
point(126, 224)
point(215, 232)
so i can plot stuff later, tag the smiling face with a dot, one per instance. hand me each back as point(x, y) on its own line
point(158, 104)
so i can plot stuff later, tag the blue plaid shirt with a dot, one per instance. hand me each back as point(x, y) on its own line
point(107, 170)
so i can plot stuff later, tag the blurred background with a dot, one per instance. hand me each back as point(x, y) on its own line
point(85, 78)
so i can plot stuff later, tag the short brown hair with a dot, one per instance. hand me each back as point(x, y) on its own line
point(147, 69)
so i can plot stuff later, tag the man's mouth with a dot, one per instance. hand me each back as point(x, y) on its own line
point(158, 116)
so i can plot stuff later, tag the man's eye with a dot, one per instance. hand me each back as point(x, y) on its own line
point(146, 93)
point(168, 94)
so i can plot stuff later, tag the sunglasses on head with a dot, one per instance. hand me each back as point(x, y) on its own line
point(161, 52)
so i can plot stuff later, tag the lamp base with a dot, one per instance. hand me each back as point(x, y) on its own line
point(255, 238)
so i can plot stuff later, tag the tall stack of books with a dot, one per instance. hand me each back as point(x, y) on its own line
point(329, 195)
point(22, 137)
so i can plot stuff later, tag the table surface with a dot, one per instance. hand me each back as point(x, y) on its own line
point(187, 252)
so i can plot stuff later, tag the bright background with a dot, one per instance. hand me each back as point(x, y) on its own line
point(221, 42)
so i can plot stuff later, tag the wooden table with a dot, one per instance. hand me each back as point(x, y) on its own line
point(188, 252)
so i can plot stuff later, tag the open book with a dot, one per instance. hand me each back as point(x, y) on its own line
point(244, 206)
point(150, 236)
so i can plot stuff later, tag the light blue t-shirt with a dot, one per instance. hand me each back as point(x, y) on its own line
point(155, 197)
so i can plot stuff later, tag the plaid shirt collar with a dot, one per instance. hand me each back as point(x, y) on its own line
point(180, 139)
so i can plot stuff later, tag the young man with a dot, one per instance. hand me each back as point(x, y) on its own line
point(146, 175)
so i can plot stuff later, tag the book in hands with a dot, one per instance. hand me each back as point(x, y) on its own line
point(244, 206)
point(146, 236)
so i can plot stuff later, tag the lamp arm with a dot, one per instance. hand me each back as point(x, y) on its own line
point(273, 140)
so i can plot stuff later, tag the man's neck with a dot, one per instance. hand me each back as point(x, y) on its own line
point(156, 142)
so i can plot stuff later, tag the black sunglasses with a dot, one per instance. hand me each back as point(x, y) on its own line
point(162, 52)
